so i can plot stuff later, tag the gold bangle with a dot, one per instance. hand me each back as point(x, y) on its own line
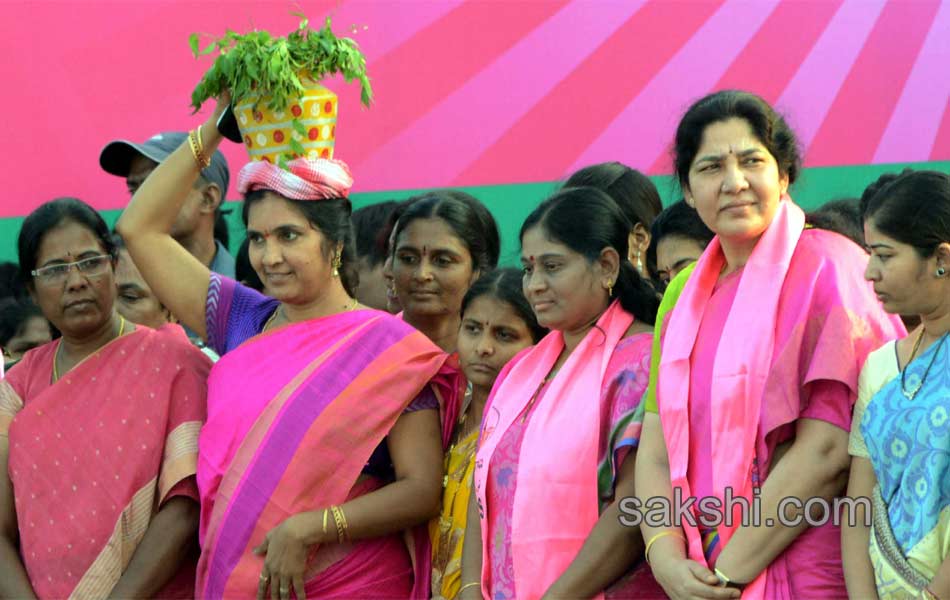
point(340, 519)
point(468, 585)
point(646, 551)
point(324, 521)
point(194, 141)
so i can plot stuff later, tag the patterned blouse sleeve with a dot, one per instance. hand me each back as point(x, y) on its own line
point(623, 407)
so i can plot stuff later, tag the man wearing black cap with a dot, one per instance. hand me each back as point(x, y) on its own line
point(194, 227)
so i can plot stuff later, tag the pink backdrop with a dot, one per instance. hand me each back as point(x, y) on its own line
point(483, 92)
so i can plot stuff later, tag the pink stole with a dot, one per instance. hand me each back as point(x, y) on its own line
point(294, 415)
point(555, 506)
point(738, 377)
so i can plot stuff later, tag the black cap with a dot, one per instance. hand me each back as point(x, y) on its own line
point(116, 157)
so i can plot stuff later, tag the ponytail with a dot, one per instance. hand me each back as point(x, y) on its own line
point(637, 296)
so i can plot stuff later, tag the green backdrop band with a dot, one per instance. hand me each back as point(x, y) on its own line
point(511, 204)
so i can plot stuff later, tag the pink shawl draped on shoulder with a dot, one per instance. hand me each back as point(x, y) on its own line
point(802, 314)
point(556, 501)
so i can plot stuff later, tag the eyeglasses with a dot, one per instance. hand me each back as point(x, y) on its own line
point(91, 267)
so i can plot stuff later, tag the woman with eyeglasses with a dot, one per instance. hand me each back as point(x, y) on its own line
point(98, 431)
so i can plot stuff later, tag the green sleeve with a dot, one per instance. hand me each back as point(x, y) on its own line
point(670, 297)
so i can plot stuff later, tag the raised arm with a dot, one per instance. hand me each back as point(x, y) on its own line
point(178, 279)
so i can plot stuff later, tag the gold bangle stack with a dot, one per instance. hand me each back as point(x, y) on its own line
point(197, 149)
point(340, 519)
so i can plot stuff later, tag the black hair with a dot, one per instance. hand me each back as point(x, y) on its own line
point(466, 216)
point(506, 285)
point(244, 271)
point(767, 125)
point(332, 218)
point(914, 209)
point(633, 191)
point(841, 216)
point(11, 284)
point(678, 220)
point(368, 222)
point(51, 215)
point(586, 220)
point(875, 186)
point(14, 314)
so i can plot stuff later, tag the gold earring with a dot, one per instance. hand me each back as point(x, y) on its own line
point(337, 263)
point(639, 263)
point(610, 289)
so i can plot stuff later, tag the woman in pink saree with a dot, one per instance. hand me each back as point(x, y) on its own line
point(561, 426)
point(323, 450)
point(758, 372)
point(98, 432)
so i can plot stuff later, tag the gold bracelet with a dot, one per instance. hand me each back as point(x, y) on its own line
point(646, 551)
point(324, 521)
point(340, 519)
point(468, 585)
point(194, 140)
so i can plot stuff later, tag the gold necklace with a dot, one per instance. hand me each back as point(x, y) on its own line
point(60, 347)
point(537, 392)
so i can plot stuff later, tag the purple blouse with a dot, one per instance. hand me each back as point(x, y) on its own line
point(234, 313)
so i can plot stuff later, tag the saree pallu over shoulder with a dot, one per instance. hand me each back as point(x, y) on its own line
point(93, 456)
point(294, 415)
point(555, 504)
point(802, 314)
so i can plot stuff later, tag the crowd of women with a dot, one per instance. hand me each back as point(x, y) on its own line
point(482, 437)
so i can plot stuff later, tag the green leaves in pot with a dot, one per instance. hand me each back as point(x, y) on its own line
point(259, 64)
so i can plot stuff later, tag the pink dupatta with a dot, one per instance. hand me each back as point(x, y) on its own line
point(294, 415)
point(742, 382)
point(556, 500)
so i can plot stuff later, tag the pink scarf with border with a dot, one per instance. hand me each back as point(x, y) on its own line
point(555, 505)
point(739, 377)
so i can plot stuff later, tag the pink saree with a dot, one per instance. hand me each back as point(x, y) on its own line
point(802, 318)
point(294, 415)
point(93, 456)
point(556, 501)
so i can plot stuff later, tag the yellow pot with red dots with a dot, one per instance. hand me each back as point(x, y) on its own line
point(267, 133)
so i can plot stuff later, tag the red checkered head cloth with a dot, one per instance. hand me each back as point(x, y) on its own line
point(304, 178)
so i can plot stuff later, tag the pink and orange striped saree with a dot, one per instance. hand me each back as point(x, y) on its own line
point(93, 456)
point(294, 416)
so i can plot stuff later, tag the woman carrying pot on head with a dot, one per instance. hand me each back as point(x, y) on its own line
point(497, 323)
point(561, 426)
point(758, 372)
point(442, 242)
point(98, 431)
point(900, 436)
point(323, 442)
point(637, 198)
